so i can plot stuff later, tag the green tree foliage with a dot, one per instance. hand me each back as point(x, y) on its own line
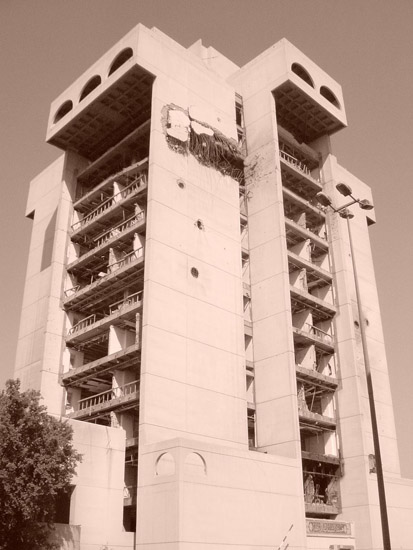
point(37, 462)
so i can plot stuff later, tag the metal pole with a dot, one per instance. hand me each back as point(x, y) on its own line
point(376, 442)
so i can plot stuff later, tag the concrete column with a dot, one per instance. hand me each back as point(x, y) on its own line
point(119, 339)
point(117, 188)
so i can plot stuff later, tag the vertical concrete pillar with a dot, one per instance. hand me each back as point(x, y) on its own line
point(275, 387)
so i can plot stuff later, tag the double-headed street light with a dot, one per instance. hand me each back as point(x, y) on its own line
point(345, 213)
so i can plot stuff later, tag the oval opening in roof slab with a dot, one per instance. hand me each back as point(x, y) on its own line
point(63, 110)
point(90, 86)
point(302, 73)
point(120, 59)
point(328, 94)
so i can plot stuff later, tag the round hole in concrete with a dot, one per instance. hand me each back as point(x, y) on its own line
point(194, 272)
point(181, 184)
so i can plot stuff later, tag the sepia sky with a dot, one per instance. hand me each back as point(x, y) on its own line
point(366, 45)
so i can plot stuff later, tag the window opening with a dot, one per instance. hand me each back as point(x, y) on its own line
point(120, 59)
point(63, 110)
point(302, 73)
point(328, 94)
point(90, 86)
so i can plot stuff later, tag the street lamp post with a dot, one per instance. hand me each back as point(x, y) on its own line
point(345, 213)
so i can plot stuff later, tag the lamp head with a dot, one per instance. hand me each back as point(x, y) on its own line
point(344, 189)
point(324, 199)
point(365, 204)
point(346, 214)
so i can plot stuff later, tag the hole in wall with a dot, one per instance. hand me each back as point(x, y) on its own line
point(302, 73)
point(63, 110)
point(200, 224)
point(181, 184)
point(329, 96)
point(93, 83)
point(120, 59)
point(194, 272)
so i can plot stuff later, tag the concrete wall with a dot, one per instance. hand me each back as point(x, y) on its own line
point(97, 500)
point(197, 495)
point(399, 495)
point(192, 371)
point(40, 343)
point(359, 485)
point(275, 386)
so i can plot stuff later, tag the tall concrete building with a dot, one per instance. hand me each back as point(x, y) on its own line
point(190, 307)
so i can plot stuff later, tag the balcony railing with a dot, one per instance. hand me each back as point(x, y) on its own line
point(129, 259)
point(312, 375)
point(106, 239)
point(125, 302)
point(119, 228)
point(71, 291)
point(120, 359)
point(306, 336)
point(109, 395)
point(307, 230)
point(84, 323)
point(117, 307)
point(308, 417)
point(295, 162)
point(319, 334)
point(108, 203)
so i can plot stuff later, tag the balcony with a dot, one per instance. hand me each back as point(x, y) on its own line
point(323, 381)
point(321, 484)
point(105, 170)
point(121, 312)
point(321, 458)
point(116, 235)
point(119, 274)
point(297, 233)
point(311, 419)
point(121, 398)
point(301, 299)
point(316, 276)
point(296, 177)
point(107, 210)
point(292, 199)
point(310, 334)
point(122, 359)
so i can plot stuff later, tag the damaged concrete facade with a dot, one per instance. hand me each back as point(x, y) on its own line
point(190, 308)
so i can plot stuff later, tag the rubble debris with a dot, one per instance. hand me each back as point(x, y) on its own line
point(207, 144)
